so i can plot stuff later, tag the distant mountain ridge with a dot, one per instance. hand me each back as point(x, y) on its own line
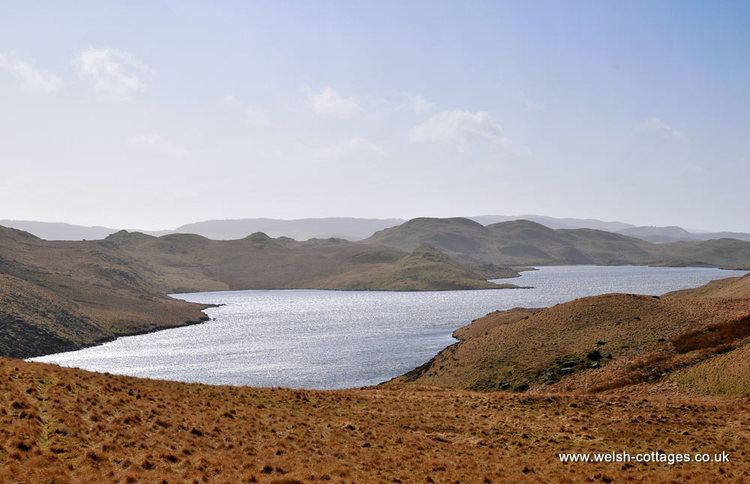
point(352, 228)
point(554, 222)
point(348, 228)
point(58, 230)
point(661, 235)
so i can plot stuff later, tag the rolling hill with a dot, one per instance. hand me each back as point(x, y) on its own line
point(523, 242)
point(555, 222)
point(187, 263)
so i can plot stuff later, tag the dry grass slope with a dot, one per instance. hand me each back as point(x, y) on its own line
point(65, 425)
point(604, 343)
point(726, 374)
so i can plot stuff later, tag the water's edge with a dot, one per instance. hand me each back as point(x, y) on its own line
point(222, 371)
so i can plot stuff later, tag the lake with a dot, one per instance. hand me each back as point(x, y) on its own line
point(340, 339)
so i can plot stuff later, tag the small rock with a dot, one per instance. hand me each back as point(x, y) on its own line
point(594, 355)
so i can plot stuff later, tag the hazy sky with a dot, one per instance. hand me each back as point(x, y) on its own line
point(153, 114)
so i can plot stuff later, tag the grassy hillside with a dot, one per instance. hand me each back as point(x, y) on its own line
point(726, 374)
point(424, 269)
point(727, 253)
point(453, 235)
point(66, 425)
point(528, 242)
point(461, 238)
point(601, 343)
point(34, 319)
point(63, 296)
point(522, 243)
point(183, 263)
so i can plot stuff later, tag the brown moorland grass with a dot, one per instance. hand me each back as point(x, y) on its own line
point(726, 374)
point(67, 425)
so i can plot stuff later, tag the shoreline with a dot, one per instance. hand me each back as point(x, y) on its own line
point(108, 339)
point(500, 286)
point(206, 318)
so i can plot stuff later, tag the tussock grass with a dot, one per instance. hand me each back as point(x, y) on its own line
point(66, 425)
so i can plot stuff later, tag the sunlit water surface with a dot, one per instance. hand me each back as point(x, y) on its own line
point(338, 339)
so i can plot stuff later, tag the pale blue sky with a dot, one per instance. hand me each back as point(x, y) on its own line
point(153, 114)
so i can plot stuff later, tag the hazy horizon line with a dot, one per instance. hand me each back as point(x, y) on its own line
point(131, 227)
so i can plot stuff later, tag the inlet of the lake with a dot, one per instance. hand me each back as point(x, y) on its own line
point(339, 339)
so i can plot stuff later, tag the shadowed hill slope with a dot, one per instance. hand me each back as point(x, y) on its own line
point(525, 242)
point(659, 235)
point(597, 343)
point(58, 296)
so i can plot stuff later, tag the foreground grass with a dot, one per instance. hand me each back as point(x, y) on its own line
point(65, 425)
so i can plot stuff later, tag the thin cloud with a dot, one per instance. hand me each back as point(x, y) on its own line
point(659, 127)
point(112, 72)
point(231, 100)
point(31, 78)
point(418, 103)
point(328, 102)
point(157, 145)
point(460, 128)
